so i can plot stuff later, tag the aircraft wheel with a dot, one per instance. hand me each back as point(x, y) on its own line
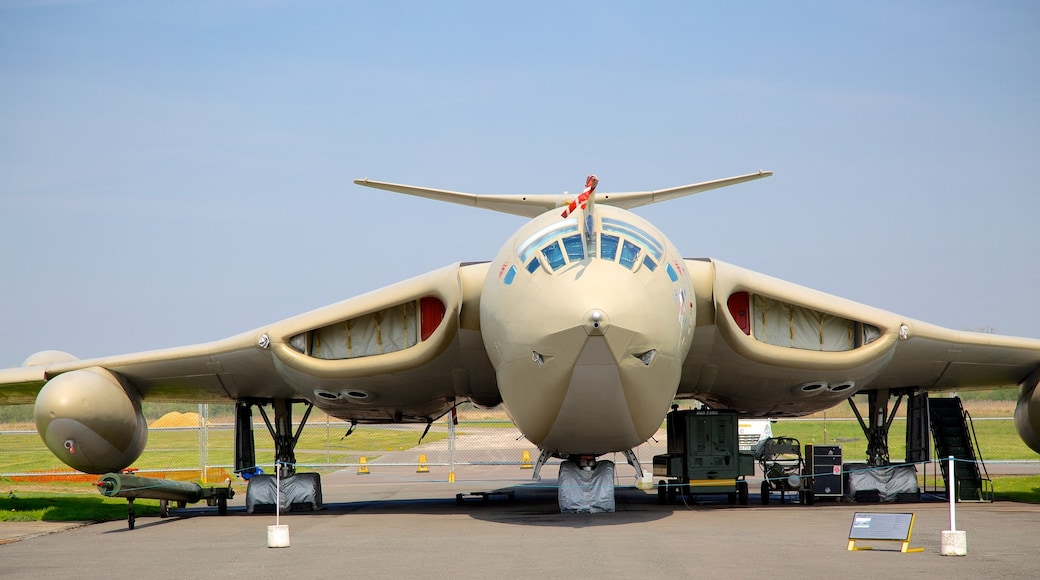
point(765, 492)
point(742, 492)
point(164, 508)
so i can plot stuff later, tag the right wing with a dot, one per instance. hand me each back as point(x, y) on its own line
point(401, 367)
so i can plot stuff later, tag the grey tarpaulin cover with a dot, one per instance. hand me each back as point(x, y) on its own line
point(589, 491)
point(302, 488)
point(889, 481)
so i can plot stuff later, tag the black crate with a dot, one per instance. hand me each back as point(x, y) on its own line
point(868, 496)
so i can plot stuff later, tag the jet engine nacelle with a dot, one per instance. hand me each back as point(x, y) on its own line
point(91, 420)
point(1027, 412)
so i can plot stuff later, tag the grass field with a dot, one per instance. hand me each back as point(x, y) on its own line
point(23, 452)
point(1017, 488)
point(997, 438)
point(67, 506)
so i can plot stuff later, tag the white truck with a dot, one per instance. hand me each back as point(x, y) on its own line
point(751, 431)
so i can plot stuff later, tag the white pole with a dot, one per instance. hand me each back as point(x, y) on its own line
point(953, 543)
point(451, 443)
point(203, 440)
point(953, 497)
point(278, 535)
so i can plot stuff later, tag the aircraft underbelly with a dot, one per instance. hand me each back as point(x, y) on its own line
point(595, 415)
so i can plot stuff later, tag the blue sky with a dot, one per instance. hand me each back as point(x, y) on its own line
point(173, 173)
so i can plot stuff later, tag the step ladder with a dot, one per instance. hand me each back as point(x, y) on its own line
point(954, 434)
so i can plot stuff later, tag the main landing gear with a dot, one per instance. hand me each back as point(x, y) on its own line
point(262, 489)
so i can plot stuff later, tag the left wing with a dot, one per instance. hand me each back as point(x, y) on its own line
point(772, 348)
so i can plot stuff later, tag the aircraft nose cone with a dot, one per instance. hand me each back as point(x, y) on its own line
point(596, 322)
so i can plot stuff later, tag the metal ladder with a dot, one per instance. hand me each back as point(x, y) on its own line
point(954, 434)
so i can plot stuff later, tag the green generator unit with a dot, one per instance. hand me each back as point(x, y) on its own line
point(703, 456)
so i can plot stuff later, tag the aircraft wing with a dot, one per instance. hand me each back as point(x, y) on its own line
point(399, 354)
point(772, 348)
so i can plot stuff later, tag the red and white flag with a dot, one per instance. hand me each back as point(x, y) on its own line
point(590, 187)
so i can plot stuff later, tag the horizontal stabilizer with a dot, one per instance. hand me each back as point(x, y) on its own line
point(535, 205)
point(525, 205)
point(640, 198)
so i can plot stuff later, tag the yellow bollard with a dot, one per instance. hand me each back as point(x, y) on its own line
point(424, 467)
point(525, 460)
point(362, 469)
point(451, 477)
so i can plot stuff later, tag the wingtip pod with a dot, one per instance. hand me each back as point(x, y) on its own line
point(48, 357)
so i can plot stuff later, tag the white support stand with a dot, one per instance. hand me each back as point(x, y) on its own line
point(278, 535)
point(953, 542)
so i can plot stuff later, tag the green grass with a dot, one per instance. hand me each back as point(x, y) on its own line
point(1017, 488)
point(169, 448)
point(998, 439)
point(74, 504)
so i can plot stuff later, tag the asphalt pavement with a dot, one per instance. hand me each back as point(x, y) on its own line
point(394, 522)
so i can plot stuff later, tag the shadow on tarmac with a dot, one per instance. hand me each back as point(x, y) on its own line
point(532, 505)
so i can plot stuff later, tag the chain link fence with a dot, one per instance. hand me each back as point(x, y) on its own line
point(197, 442)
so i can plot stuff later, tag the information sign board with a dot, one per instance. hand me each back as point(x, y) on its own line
point(887, 527)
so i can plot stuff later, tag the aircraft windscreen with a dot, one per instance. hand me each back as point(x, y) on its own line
point(561, 243)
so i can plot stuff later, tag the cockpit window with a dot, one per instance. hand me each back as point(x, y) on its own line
point(636, 234)
point(575, 248)
point(554, 255)
point(561, 243)
point(671, 273)
point(532, 244)
point(629, 253)
point(608, 246)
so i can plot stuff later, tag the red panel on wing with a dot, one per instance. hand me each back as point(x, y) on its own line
point(431, 314)
point(739, 309)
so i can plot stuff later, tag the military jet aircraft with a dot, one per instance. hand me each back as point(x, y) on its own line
point(585, 326)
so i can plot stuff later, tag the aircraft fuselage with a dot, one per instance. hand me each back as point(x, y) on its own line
point(587, 320)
